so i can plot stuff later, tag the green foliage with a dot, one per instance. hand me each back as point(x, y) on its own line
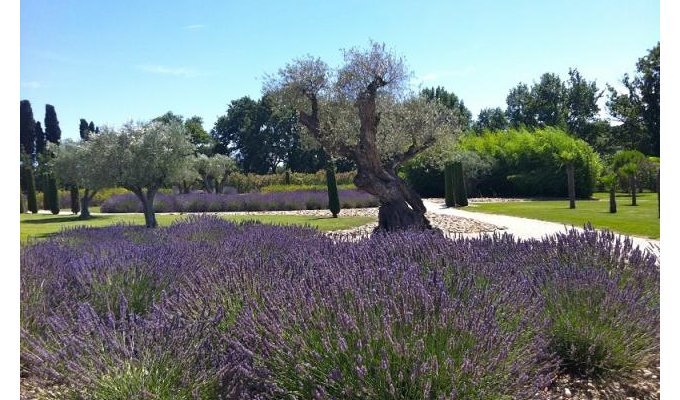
point(22, 200)
point(295, 188)
point(52, 130)
point(527, 163)
point(258, 136)
point(26, 127)
point(589, 336)
point(75, 199)
point(425, 172)
point(450, 101)
point(491, 119)
point(52, 195)
point(459, 192)
point(245, 183)
point(31, 198)
point(40, 139)
point(333, 198)
point(639, 109)
point(449, 199)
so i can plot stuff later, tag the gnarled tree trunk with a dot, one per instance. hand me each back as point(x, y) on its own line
point(400, 206)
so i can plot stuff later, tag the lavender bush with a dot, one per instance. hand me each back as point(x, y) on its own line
point(207, 308)
point(210, 202)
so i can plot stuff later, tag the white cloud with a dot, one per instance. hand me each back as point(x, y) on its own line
point(166, 70)
point(193, 27)
point(31, 84)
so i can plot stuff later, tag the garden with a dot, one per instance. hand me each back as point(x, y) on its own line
point(169, 266)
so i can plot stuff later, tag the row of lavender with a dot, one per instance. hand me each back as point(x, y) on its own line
point(209, 309)
point(210, 202)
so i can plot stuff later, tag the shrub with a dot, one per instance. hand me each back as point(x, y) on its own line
point(295, 188)
point(425, 172)
point(207, 308)
point(210, 202)
point(526, 163)
point(32, 201)
point(245, 183)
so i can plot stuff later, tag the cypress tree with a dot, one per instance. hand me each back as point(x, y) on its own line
point(32, 201)
point(23, 202)
point(448, 186)
point(26, 127)
point(40, 142)
point(459, 192)
point(52, 130)
point(45, 187)
point(84, 129)
point(75, 200)
point(333, 199)
point(53, 194)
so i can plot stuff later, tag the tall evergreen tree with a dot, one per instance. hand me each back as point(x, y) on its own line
point(52, 130)
point(84, 129)
point(91, 127)
point(31, 197)
point(26, 127)
point(53, 194)
point(40, 141)
point(450, 101)
point(520, 109)
point(639, 109)
point(492, 119)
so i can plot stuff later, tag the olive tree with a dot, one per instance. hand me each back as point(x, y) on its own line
point(364, 111)
point(83, 164)
point(144, 157)
point(214, 170)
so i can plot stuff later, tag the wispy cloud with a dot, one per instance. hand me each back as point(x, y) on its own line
point(194, 27)
point(449, 73)
point(31, 84)
point(166, 70)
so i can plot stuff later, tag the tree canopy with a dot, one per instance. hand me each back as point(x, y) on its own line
point(363, 111)
point(639, 110)
point(26, 127)
point(52, 130)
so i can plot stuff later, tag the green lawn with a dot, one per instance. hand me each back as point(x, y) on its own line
point(641, 220)
point(35, 226)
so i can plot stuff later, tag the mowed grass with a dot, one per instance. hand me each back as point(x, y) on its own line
point(641, 220)
point(37, 226)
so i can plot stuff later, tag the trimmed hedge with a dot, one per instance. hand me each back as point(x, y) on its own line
point(527, 164)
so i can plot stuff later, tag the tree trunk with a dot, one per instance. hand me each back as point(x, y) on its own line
point(332, 188)
point(612, 198)
point(400, 206)
point(85, 204)
point(633, 190)
point(147, 205)
point(75, 201)
point(571, 186)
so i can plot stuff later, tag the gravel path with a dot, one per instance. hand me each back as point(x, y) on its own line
point(523, 228)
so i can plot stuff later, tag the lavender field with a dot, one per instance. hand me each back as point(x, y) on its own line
point(210, 202)
point(209, 309)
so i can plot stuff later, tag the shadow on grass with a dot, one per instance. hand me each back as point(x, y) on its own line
point(74, 218)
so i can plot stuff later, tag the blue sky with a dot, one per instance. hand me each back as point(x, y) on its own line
point(118, 60)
